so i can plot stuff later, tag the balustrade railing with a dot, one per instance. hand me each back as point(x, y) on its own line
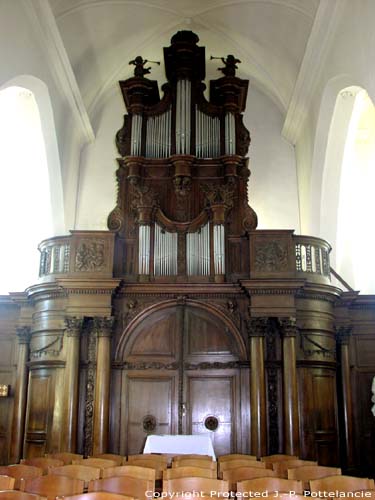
point(91, 252)
point(54, 256)
point(312, 257)
point(79, 254)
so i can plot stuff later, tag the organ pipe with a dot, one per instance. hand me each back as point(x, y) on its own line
point(136, 135)
point(198, 252)
point(165, 252)
point(158, 135)
point(230, 134)
point(219, 249)
point(144, 249)
point(207, 135)
point(183, 117)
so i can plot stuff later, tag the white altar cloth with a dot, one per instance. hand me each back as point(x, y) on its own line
point(179, 444)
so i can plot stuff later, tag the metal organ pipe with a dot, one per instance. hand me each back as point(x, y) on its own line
point(230, 134)
point(198, 252)
point(207, 135)
point(158, 135)
point(144, 249)
point(165, 252)
point(219, 249)
point(183, 116)
point(136, 135)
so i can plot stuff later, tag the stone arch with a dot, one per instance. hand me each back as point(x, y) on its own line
point(41, 94)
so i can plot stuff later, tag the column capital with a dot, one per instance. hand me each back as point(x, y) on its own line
point(24, 334)
point(343, 334)
point(288, 326)
point(73, 326)
point(103, 325)
point(257, 327)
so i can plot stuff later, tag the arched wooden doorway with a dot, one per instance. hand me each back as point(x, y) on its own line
point(180, 368)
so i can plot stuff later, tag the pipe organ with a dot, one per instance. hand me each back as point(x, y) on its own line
point(182, 166)
point(185, 318)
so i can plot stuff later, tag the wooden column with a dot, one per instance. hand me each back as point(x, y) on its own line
point(20, 395)
point(103, 329)
point(71, 376)
point(257, 328)
point(290, 392)
point(343, 337)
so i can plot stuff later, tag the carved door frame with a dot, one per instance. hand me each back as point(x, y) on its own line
point(180, 370)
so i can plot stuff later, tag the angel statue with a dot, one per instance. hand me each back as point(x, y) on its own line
point(230, 65)
point(139, 63)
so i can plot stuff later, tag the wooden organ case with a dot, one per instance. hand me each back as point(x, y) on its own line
point(206, 337)
point(182, 221)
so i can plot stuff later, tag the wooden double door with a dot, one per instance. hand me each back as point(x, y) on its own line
point(181, 375)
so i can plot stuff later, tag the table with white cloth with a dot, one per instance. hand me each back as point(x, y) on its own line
point(179, 444)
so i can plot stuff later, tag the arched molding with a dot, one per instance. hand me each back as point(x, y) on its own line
point(321, 170)
point(43, 100)
point(127, 335)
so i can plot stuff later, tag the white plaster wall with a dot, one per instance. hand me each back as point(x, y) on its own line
point(273, 183)
point(349, 62)
point(24, 58)
point(97, 181)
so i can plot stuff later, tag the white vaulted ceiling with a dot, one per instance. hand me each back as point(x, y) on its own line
point(101, 36)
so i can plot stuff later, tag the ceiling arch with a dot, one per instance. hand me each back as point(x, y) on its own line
point(101, 36)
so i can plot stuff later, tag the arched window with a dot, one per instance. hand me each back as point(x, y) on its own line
point(25, 199)
point(347, 193)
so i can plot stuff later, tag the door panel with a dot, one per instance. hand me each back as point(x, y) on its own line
point(210, 400)
point(149, 402)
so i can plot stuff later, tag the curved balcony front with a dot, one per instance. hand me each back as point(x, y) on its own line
point(274, 254)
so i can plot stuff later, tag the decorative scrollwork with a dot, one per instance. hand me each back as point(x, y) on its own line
point(23, 334)
point(144, 196)
point(250, 221)
point(115, 219)
point(257, 327)
point(215, 365)
point(88, 428)
point(150, 365)
point(219, 194)
point(243, 137)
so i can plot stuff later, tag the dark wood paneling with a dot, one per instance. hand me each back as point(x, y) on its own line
point(155, 337)
point(6, 405)
point(318, 415)
point(39, 412)
point(216, 396)
point(204, 334)
point(152, 395)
